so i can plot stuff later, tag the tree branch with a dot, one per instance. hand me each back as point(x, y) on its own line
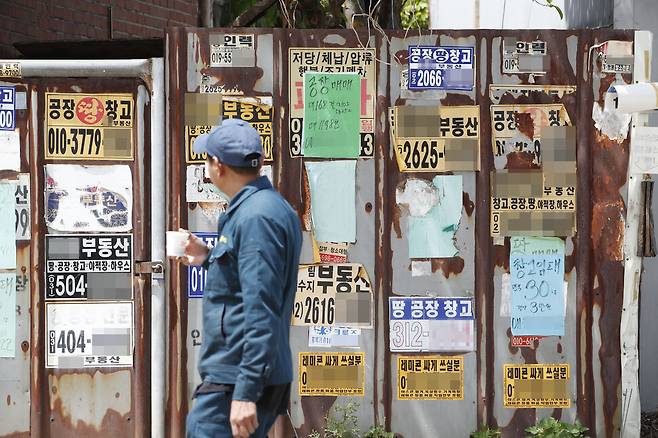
point(253, 13)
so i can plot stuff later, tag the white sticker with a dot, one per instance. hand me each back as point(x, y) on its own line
point(89, 335)
point(10, 150)
point(326, 336)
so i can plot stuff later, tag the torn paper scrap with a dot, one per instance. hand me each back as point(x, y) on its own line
point(333, 199)
point(89, 198)
point(7, 314)
point(421, 268)
point(433, 235)
point(612, 124)
point(418, 195)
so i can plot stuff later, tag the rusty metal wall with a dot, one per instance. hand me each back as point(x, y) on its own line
point(593, 256)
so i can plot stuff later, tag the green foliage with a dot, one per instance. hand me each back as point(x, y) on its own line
point(485, 432)
point(551, 428)
point(378, 432)
point(415, 14)
point(344, 425)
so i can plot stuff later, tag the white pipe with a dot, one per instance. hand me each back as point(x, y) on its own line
point(158, 215)
point(72, 68)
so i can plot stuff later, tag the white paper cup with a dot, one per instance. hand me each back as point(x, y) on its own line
point(176, 241)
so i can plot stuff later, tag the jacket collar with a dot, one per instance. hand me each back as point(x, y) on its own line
point(259, 183)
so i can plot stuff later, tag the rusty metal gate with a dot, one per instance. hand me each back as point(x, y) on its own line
point(594, 271)
point(83, 224)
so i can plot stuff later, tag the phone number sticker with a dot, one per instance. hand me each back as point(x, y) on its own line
point(328, 295)
point(82, 335)
point(331, 374)
point(442, 68)
point(537, 386)
point(257, 111)
point(87, 266)
point(430, 378)
point(89, 126)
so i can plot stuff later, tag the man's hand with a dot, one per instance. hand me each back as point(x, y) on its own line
point(244, 420)
point(196, 251)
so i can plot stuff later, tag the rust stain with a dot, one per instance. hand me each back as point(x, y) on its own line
point(608, 230)
point(8, 400)
point(315, 410)
point(501, 255)
point(306, 197)
point(396, 212)
point(521, 160)
point(451, 265)
point(521, 419)
point(525, 124)
point(469, 205)
point(112, 424)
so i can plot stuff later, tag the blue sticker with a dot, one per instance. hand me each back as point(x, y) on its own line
point(431, 308)
point(196, 275)
point(7, 108)
point(442, 68)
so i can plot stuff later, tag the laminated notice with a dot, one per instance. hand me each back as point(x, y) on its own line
point(331, 295)
point(89, 126)
point(332, 60)
point(436, 139)
point(536, 386)
point(80, 335)
point(430, 378)
point(331, 374)
point(257, 111)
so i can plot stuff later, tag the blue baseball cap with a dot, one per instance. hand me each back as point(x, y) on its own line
point(235, 142)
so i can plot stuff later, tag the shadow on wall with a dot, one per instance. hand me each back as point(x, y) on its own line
point(589, 14)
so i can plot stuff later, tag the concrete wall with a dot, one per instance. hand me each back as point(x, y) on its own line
point(519, 14)
point(39, 20)
point(643, 15)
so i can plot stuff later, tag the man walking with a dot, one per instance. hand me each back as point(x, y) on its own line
point(245, 361)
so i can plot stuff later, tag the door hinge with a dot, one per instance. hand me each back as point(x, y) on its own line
point(152, 267)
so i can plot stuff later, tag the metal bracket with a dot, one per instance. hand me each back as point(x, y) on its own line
point(152, 267)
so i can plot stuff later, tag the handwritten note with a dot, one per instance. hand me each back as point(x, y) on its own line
point(332, 103)
point(537, 286)
point(7, 314)
point(7, 226)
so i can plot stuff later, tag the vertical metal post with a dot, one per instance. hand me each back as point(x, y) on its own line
point(629, 328)
point(158, 295)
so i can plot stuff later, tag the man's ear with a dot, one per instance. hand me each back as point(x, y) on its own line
point(221, 168)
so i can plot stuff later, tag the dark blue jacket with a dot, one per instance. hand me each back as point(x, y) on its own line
point(250, 292)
